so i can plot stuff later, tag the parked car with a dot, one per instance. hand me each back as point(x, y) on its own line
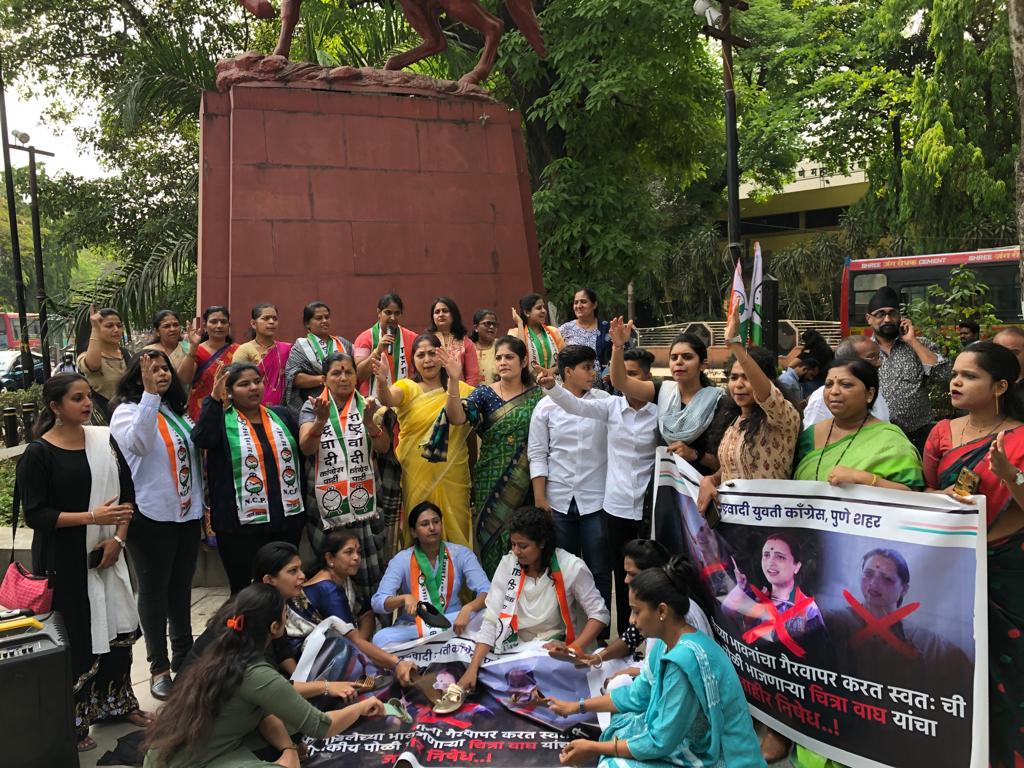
point(10, 369)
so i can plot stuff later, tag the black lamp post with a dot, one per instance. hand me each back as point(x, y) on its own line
point(37, 245)
point(718, 27)
point(12, 212)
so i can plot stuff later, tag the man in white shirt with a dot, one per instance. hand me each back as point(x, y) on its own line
point(632, 441)
point(568, 460)
point(850, 348)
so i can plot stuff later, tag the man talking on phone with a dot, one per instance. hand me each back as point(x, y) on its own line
point(907, 363)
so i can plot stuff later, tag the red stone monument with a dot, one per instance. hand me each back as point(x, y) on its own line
point(351, 183)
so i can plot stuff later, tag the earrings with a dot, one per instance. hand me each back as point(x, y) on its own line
point(58, 421)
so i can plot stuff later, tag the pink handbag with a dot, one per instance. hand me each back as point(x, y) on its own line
point(20, 587)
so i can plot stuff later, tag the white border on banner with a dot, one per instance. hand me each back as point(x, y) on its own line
point(677, 474)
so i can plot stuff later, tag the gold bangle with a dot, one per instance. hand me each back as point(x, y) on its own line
point(615, 747)
point(327, 688)
point(290, 746)
point(874, 480)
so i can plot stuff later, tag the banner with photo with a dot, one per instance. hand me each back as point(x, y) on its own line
point(498, 725)
point(856, 617)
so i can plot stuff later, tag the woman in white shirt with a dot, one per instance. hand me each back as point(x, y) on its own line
point(153, 431)
point(538, 592)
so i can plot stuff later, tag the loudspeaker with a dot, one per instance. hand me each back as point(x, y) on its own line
point(37, 723)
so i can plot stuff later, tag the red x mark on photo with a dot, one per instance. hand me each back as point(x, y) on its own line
point(777, 622)
point(881, 627)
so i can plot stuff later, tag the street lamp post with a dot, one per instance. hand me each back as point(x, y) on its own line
point(27, 368)
point(719, 27)
point(37, 246)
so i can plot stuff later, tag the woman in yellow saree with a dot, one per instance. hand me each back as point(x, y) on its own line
point(433, 454)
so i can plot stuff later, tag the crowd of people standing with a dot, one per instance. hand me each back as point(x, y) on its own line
point(477, 476)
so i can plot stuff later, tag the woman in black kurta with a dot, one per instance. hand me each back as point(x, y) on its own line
point(238, 390)
point(55, 481)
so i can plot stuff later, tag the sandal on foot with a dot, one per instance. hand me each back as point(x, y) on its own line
point(451, 701)
point(140, 718)
point(86, 744)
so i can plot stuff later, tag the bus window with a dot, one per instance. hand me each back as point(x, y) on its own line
point(909, 293)
point(864, 287)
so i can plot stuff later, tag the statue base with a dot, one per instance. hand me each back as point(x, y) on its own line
point(342, 190)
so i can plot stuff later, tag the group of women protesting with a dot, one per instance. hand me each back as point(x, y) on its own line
point(403, 458)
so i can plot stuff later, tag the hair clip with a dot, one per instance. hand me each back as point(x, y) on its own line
point(236, 623)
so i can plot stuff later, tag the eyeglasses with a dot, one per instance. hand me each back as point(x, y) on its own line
point(488, 323)
point(883, 314)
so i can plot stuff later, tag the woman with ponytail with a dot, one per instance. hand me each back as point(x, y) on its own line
point(685, 708)
point(232, 693)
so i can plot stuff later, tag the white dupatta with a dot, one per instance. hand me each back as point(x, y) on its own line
point(112, 608)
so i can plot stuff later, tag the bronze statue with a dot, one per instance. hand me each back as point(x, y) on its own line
point(424, 17)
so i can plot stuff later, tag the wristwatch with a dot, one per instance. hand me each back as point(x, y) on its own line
point(734, 340)
point(583, 706)
point(1019, 479)
point(121, 543)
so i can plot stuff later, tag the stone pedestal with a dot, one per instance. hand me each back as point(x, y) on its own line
point(341, 193)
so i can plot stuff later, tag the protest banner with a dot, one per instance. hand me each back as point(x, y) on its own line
point(498, 725)
point(856, 617)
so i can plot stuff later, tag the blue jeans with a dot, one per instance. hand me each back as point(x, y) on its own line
point(586, 536)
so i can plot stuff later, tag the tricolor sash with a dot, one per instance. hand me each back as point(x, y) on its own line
point(251, 468)
point(508, 622)
point(345, 487)
point(176, 433)
point(541, 346)
point(319, 355)
point(433, 585)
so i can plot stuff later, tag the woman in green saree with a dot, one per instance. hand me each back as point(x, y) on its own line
point(500, 413)
point(853, 447)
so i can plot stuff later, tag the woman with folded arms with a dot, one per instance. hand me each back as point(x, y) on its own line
point(431, 571)
point(155, 436)
point(233, 699)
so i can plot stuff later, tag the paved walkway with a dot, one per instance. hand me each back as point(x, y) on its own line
point(205, 602)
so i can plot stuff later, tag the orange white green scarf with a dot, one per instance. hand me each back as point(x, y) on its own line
point(251, 468)
point(317, 350)
point(508, 622)
point(345, 488)
point(433, 585)
point(398, 365)
point(541, 346)
point(176, 431)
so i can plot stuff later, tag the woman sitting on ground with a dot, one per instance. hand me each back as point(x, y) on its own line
point(538, 592)
point(331, 591)
point(686, 708)
point(431, 571)
point(232, 697)
point(278, 565)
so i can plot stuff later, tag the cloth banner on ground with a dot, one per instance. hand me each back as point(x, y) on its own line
point(856, 617)
point(494, 726)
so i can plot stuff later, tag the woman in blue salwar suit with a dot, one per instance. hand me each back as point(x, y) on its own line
point(686, 708)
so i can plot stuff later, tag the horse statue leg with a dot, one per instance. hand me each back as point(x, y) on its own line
point(289, 18)
point(472, 14)
point(424, 17)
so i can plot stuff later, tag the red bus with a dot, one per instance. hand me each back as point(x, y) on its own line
point(910, 276)
point(10, 330)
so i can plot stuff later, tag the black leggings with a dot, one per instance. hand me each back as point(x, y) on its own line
point(164, 556)
point(237, 550)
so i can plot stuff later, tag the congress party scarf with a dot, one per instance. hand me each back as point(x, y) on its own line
point(176, 431)
point(434, 585)
point(251, 468)
point(345, 488)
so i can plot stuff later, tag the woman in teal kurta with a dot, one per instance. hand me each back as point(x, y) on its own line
point(686, 708)
point(232, 701)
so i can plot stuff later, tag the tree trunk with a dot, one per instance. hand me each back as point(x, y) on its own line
point(1016, 8)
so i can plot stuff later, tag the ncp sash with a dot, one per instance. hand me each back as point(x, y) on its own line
point(345, 487)
point(508, 622)
point(175, 432)
point(433, 585)
point(251, 468)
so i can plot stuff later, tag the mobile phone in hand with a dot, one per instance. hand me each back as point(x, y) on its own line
point(95, 558)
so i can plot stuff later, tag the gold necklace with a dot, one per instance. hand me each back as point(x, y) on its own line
point(963, 430)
